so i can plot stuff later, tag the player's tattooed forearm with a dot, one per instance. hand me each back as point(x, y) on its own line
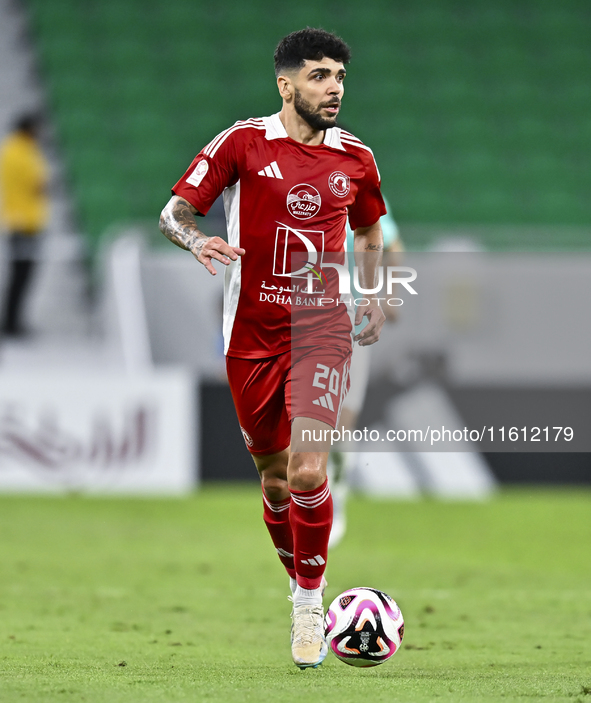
point(374, 247)
point(177, 223)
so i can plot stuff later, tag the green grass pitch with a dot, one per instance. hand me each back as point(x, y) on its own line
point(166, 600)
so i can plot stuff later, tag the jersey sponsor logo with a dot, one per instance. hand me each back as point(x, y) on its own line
point(271, 171)
point(339, 184)
point(299, 248)
point(303, 201)
point(199, 173)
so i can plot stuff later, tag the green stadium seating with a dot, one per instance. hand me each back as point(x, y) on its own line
point(478, 112)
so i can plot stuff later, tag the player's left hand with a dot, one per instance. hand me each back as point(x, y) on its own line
point(371, 332)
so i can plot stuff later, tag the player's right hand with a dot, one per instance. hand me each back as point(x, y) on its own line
point(208, 249)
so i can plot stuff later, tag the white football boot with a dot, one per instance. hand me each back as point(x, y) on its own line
point(308, 645)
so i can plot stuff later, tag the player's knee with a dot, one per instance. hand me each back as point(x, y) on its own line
point(306, 477)
point(274, 487)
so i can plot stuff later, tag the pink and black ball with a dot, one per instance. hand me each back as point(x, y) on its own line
point(364, 627)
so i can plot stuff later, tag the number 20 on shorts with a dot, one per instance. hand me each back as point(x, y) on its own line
point(323, 373)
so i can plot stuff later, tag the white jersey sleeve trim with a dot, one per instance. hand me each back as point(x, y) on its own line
point(350, 140)
point(233, 274)
point(211, 149)
point(348, 135)
point(356, 142)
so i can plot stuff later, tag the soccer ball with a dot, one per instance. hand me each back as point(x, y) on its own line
point(363, 627)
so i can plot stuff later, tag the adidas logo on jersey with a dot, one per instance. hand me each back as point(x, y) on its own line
point(315, 561)
point(325, 401)
point(272, 171)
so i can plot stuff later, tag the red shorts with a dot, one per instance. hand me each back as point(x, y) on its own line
point(269, 393)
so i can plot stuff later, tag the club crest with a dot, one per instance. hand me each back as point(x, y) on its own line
point(339, 183)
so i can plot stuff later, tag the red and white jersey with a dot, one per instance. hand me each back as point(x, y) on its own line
point(280, 197)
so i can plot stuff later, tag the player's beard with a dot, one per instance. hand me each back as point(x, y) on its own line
point(311, 114)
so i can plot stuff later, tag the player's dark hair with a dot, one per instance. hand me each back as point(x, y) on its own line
point(309, 45)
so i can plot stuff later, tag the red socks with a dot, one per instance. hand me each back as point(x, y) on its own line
point(276, 517)
point(300, 528)
point(310, 516)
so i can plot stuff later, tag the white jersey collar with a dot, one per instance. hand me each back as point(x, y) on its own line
point(276, 130)
point(333, 138)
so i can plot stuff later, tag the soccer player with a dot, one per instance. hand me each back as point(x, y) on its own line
point(290, 181)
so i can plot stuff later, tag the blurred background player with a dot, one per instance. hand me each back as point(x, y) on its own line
point(341, 461)
point(24, 212)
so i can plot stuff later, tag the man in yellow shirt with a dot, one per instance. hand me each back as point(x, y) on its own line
point(24, 210)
